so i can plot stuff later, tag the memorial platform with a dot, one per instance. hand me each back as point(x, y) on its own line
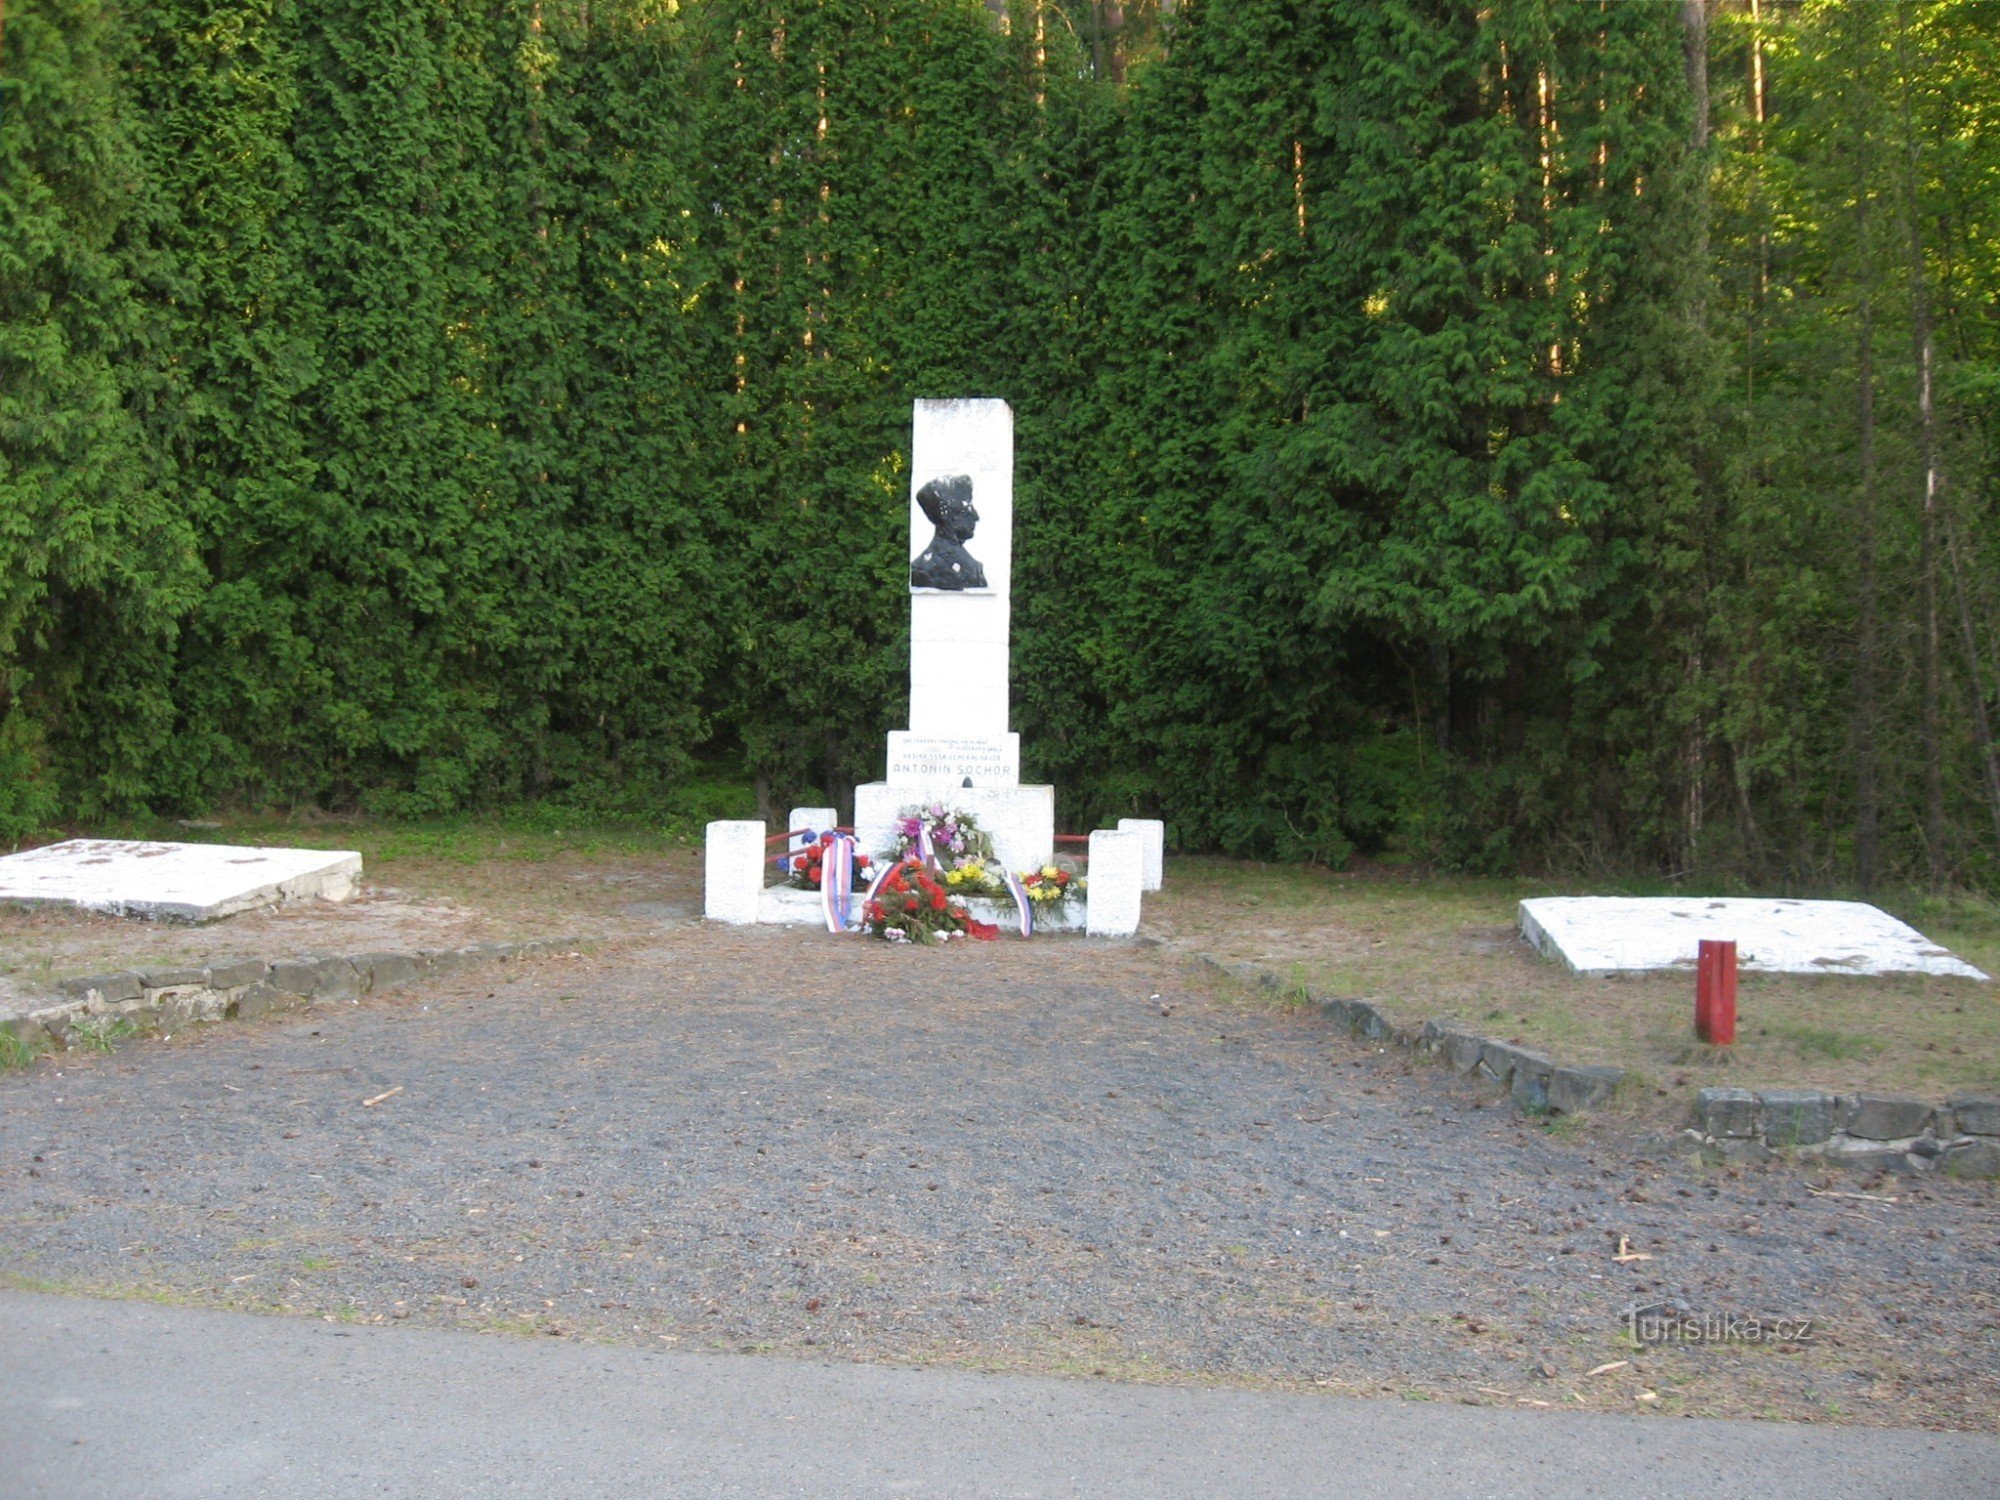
point(175, 882)
point(1635, 934)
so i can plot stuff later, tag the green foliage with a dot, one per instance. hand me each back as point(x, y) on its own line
point(18, 1053)
point(102, 1033)
point(93, 557)
point(1369, 400)
point(1423, 451)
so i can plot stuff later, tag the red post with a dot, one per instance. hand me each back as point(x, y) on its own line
point(1715, 992)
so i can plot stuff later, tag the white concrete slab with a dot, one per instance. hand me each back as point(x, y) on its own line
point(175, 882)
point(1634, 934)
point(789, 906)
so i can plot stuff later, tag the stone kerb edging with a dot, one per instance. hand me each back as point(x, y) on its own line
point(1535, 1082)
point(246, 987)
point(1871, 1131)
point(1874, 1131)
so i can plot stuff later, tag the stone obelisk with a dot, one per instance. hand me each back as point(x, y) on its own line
point(959, 749)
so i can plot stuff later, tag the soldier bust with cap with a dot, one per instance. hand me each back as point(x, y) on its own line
point(945, 564)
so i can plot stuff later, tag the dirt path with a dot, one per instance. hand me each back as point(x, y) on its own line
point(1004, 1157)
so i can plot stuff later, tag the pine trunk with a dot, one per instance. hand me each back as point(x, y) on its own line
point(1925, 348)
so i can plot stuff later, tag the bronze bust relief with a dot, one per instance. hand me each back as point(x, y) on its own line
point(945, 564)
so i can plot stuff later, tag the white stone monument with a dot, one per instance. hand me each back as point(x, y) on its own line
point(958, 750)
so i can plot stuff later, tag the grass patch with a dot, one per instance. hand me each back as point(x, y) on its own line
point(1815, 1042)
point(1448, 949)
point(17, 1053)
point(102, 1033)
point(527, 836)
point(441, 882)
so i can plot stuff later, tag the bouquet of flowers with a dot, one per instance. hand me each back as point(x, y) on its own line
point(964, 850)
point(1051, 888)
point(971, 879)
point(913, 906)
point(809, 864)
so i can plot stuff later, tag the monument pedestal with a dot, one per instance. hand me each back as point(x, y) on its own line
point(1020, 819)
point(786, 906)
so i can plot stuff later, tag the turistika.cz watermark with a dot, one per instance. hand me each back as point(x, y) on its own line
point(1681, 1325)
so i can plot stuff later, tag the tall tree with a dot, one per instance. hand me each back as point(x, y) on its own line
point(92, 551)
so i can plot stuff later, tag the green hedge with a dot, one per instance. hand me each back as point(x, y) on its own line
point(428, 404)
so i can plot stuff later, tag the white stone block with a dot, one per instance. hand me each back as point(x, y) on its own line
point(1020, 819)
point(1624, 934)
point(1153, 839)
point(175, 882)
point(816, 819)
point(1117, 876)
point(733, 871)
point(956, 691)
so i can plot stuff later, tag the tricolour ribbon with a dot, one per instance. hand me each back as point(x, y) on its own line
point(1020, 894)
point(836, 881)
point(881, 879)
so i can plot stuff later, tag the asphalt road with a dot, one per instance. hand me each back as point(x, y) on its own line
point(110, 1399)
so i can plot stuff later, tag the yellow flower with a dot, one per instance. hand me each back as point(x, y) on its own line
point(1049, 872)
point(952, 877)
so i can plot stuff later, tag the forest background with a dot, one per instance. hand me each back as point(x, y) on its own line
point(1524, 434)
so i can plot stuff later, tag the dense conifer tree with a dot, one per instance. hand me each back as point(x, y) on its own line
point(1519, 432)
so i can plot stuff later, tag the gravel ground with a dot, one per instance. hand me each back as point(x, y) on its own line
point(1064, 1157)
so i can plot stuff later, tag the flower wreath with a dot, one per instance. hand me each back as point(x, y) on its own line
point(1051, 888)
point(911, 905)
point(806, 869)
point(963, 850)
